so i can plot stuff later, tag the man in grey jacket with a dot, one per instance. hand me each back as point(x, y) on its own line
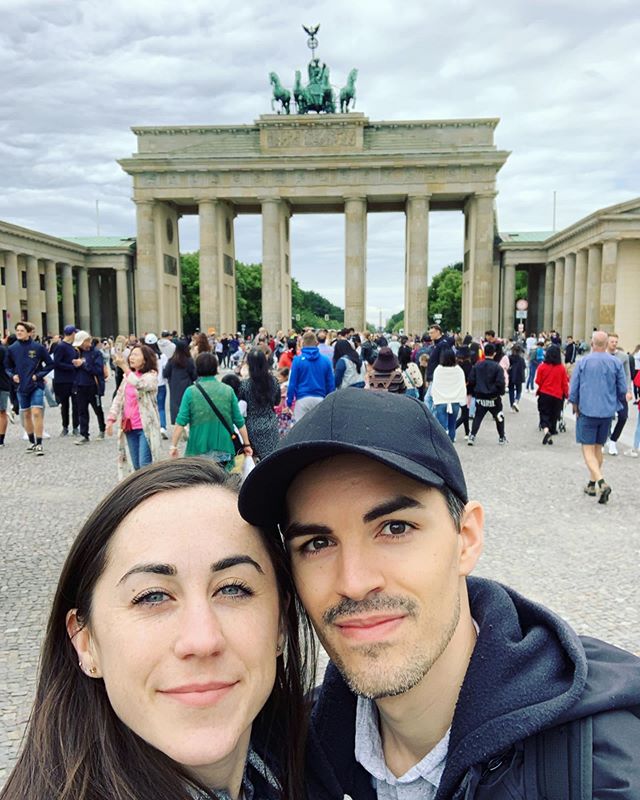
point(623, 410)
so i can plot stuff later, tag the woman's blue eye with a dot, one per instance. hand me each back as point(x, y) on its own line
point(151, 598)
point(235, 590)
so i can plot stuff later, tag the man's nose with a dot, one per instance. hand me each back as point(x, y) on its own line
point(360, 572)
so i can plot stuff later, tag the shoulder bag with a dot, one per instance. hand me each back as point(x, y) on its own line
point(236, 441)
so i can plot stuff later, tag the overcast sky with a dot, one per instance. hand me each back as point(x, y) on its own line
point(563, 77)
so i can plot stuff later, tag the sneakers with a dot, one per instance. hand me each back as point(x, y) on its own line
point(31, 448)
point(38, 450)
point(64, 432)
point(590, 489)
point(502, 440)
point(101, 435)
point(632, 453)
point(547, 439)
point(75, 432)
point(163, 433)
point(604, 490)
point(471, 440)
point(82, 440)
point(612, 450)
point(516, 408)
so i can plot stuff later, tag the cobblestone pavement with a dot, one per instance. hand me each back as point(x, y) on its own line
point(544, 536)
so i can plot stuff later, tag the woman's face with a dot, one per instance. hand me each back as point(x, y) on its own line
point(184, 628)
point(136, 359)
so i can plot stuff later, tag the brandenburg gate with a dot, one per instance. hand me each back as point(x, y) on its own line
point(302, 164)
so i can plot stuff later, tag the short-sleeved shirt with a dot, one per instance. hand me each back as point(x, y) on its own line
point(206, 433)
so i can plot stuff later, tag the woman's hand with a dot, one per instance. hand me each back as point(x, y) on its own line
point(247, 450)
point(173, 451)
point(109, 429)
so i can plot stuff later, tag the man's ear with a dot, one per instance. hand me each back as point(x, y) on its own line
point(471, 537)
point(82, 641)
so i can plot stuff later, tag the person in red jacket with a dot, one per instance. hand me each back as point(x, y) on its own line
point(553, 387)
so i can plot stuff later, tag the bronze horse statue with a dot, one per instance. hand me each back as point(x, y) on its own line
point(280, 94)
point(348, 92)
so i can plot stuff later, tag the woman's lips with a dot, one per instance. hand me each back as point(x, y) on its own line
point(199, 694)
point(366, 629)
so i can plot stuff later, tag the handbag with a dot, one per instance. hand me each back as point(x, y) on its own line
point(236, 441)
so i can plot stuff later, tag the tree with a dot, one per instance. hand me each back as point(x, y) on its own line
point(445, 297)
point(190, 273)
point(395, 322)
point(249, 295)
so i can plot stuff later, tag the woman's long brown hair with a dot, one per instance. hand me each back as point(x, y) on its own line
point(75, 747)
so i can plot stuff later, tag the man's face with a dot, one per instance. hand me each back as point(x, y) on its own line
point(612, 344)
point(22, 334)
point(435, 334)
point(380, 570)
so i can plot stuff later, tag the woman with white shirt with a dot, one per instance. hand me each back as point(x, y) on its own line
point(448, 391)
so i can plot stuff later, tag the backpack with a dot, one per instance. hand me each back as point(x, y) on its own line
point(559, 761)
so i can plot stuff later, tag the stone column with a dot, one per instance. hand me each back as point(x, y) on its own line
point(51, 296)
point(608, 285)
point(94, 303)
point(569, 287)
point(355, 250)
point(34, 308)
point(272, 210)
point(416, 287)
point(83, 300)
point(122, 296)
point(12, 288)
point(482, 264)
point(508, 299)
point(549, 280)
point(68, 311)
point(594, 278)
point(147, 284)
point(558, 296)
point(210, 300)
point(580, 295)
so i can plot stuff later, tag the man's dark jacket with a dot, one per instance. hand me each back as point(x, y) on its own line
point(63, 356)
point(434, 357)
point(529, 672)
point(27, 358)
point(91, 373)
point(487, 379)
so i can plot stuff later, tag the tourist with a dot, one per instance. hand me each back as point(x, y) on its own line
point(486, 381)
point(636, 363)
point(179, 373)
point(368, 348)
point(570, 351)
point(166, 344)
point(536, 357)
point(28, 362)
point(200, 344)
point(385, 374)
point(165, 670)
point(311, 377)
point(64, 373)
point(623, 409)
point(448, 391)
point(553, 388)
point(151, 340)
point(287, 355)
point(404, 352)
point(324, 348)
point(5, 390)
point(210, 409)
point(516, 371)
point(261, 392)
point(437, 679)
point(135, 411)
point(598, 389)
point(413, 379)
point(347, 366)
point(88, 384)
point(463, 357)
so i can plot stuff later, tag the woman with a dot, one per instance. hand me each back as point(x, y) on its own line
point(180, 372)
point(286, 359)
point(135, 410)
point(347, 366)
point(200, 344)
point(151, 340)
point(261, 391)
point(517, 369)
point(171, 667)
point(203, 408)
point(448, 391)
point(553, 387)
point(385, 375)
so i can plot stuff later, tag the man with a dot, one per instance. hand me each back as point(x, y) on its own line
point(5, 390)
point(623, 409)
point(88, 384)
point(487, 384)
point(311, 377)
point(570, 351)
point(166, 344)
point(323, 348)
point(27, 364)
point(64, 374)
point(598, 389)
point(440, 684)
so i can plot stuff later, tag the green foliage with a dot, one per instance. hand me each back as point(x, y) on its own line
point(190, 274)
point(521, 284)
point(395, 322)
point(445, 297)
point(312, 308)
point(249, 295)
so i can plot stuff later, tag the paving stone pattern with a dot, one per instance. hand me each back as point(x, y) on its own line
point(544, 536)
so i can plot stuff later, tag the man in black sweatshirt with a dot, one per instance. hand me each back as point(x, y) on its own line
point(64, 374)
point(486, 382)
point(27, 364)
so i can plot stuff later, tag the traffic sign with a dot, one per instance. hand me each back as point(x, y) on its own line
point(522, 305)
point(521, 314)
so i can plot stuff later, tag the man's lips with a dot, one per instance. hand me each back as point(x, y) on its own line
point(199, 694)
point(375, 626)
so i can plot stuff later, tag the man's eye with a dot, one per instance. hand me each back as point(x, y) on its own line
point(396, 528)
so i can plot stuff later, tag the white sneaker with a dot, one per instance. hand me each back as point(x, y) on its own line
point(163, 433)
point(613, 449)
point(46, 435)
point(632, 453)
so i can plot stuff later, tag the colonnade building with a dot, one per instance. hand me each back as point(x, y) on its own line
point(54, 282)
point(583, 277)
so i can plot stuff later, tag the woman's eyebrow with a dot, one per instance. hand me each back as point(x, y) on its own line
point(154, 569)
point(170, 569)
point(233, 561)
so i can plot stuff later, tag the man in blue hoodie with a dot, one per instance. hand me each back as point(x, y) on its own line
point(311, 378)
point(27, 364)
point(64, 375)
point(442, 686)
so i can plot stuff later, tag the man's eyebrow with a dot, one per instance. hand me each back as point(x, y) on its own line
point(390, 506)
point(295, 529)
point(233, 561)
point(154, 569)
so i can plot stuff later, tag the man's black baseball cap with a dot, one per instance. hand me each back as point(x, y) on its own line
point(394, 430)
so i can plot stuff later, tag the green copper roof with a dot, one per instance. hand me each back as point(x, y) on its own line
point(100, 241)
point(526, 236)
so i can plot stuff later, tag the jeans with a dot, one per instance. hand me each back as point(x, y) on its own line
point(138, 448)
point(533, 366)
point(162, 397)
point(515, 393)
point(428, 400)
point(446, 419)
point(636, 438)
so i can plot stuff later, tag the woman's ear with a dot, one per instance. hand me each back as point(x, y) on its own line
point(82, 641)
point(471, 537)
